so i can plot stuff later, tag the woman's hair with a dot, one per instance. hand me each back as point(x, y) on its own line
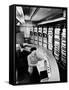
point(33, 48)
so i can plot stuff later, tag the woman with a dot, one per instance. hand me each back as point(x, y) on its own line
point(38, 59)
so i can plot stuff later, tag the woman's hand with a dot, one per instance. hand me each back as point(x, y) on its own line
point(30, 69)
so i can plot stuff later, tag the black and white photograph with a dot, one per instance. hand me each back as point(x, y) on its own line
point(39, 49)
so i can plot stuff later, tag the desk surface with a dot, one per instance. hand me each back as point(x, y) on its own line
point(54, 67)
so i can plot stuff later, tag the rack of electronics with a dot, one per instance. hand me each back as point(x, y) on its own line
point(52, 36)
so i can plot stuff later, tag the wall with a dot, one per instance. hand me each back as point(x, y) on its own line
point(26, 30)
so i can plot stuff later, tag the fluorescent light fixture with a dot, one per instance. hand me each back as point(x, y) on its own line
point(20, 14)
point(50, 21)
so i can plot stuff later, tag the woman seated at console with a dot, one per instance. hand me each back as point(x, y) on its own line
point(38, 59)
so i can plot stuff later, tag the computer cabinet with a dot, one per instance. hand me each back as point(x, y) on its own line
point(50, 38)
point(64, 46)
point(57, 42)
point(45, 40)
